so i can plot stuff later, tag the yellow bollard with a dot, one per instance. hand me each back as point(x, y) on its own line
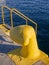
point(25, 35)
point(29, 52)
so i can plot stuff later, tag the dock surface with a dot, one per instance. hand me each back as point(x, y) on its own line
point(6, 45)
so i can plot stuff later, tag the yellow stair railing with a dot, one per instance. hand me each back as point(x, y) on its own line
point(13, 10)
point(24, 17)
point(10, 14)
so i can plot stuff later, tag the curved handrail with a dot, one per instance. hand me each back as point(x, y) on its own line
point(6, 7)
point(3, 14)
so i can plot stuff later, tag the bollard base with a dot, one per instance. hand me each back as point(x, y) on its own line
point(19, 60)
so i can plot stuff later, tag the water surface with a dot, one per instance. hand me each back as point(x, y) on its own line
point(38, 11)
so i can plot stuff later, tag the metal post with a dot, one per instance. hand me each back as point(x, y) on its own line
point(11, 18)
point(3, 15)
point(36, 28)
point(26, 21)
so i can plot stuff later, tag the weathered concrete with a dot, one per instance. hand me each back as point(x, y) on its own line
point(5, 60)
point(6, 45)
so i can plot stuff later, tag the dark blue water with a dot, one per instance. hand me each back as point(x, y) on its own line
point(37, 10)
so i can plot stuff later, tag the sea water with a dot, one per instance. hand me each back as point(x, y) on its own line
point(38, 11)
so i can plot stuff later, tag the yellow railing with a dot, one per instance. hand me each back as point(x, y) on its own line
point(13, 10)
point(10, 14)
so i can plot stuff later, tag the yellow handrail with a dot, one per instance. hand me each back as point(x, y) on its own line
point(24, 17)
point(6, 7)
point(11, 18)
point(19, 14)
point(10, 14)
point(3, 15)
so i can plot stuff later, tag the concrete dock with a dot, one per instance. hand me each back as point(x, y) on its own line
point(6, 45)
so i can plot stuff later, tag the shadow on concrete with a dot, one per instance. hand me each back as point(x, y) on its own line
point(1, 38)
point(5, 48)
